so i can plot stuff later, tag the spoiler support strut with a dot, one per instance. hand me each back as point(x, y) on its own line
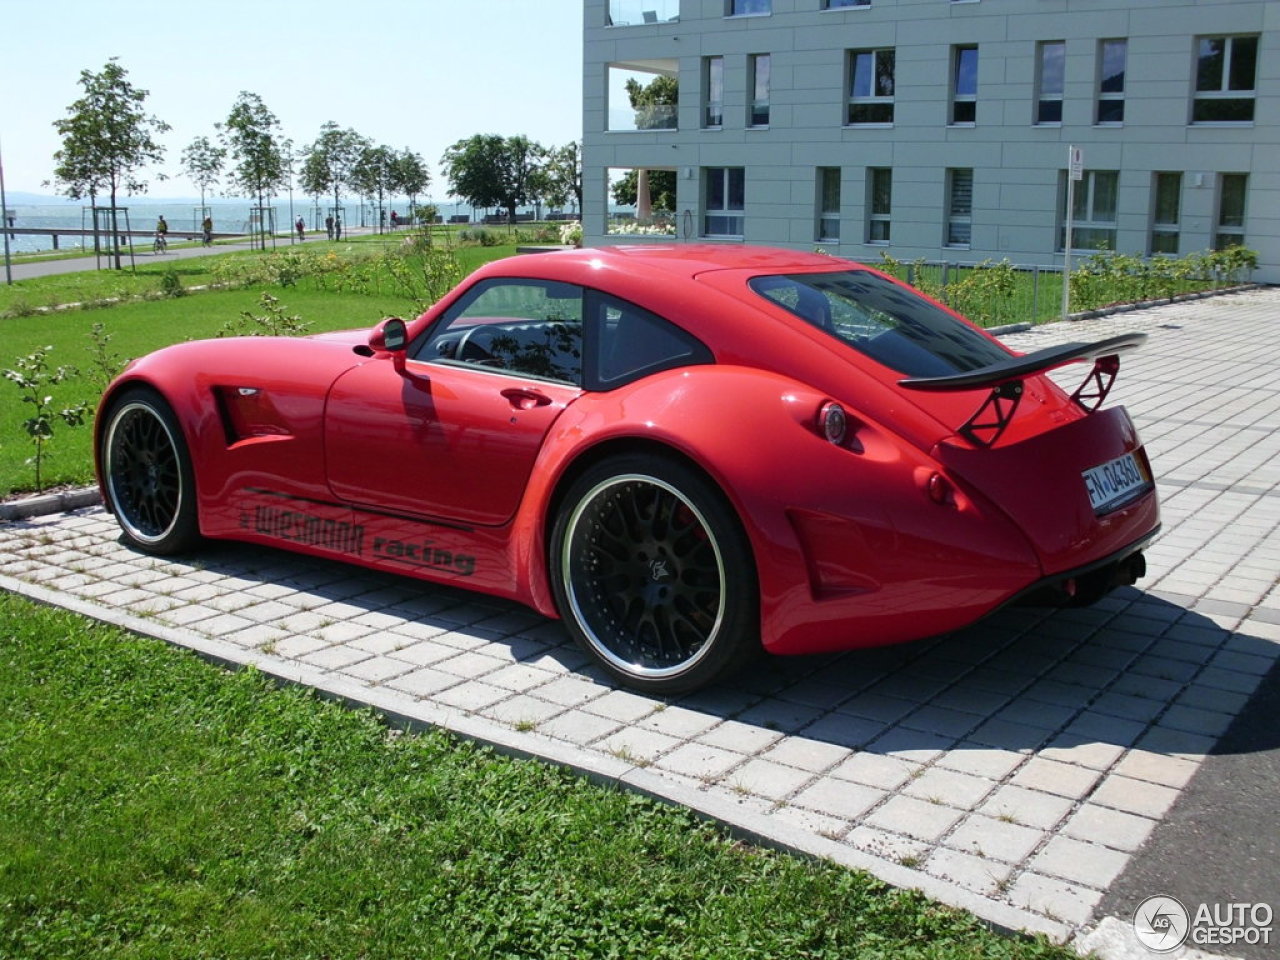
point(1005, 377)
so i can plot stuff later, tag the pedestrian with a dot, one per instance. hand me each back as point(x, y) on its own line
point(337, 228)
point(395, 219)
point(328, 226)
point(206, 227)
point(301, 228)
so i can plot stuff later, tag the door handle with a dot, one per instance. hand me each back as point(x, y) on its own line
point(525, 398)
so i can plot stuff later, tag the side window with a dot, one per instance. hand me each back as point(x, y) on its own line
point(632, 343)
point(529, 328)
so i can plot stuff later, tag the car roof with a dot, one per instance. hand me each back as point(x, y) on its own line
point(687, 260)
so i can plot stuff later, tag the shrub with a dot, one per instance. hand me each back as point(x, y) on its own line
point(571, 232)
point(33, 376)
point(274, 322)
point(171, 284)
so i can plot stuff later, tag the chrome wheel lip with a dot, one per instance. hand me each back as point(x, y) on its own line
point(121, 503)
point(571, 591)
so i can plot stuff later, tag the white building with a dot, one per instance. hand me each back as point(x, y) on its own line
point(940, 129)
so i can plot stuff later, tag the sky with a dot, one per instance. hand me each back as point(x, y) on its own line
point(420, 74)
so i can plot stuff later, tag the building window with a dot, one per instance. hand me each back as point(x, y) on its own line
point(1166, 211)
point(871, 86)
point(959, 206)
point(746, 8)
point(725, 194)
point(1051, 57)
point(1226, 79)
point(758, 66)
point(964, 84)
point(829, 203)
point(1112, 57)
point(839, 4)
point(879, 203)
point(1231, 193)
point(1093, 214)
point(713, 84)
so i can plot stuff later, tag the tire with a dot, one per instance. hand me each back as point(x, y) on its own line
point(147, 474)
point(653, 574)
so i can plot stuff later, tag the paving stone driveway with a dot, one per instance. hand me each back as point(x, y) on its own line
point(1012, 769)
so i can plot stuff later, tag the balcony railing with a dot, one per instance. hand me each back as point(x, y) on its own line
point(626, 13)
point(653, 117)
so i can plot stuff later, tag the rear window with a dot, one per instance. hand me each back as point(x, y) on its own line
point(883, 320)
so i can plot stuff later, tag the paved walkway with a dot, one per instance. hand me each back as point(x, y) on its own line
point(143, 255)
point(1015, 769)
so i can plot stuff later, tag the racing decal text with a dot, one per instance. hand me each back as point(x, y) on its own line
point(423, 554)
point(298, 527)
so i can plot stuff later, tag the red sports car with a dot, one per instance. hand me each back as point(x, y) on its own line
point(688, 453)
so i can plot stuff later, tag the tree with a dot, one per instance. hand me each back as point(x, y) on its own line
point(202, 163)
point(107, 139)
point(373, 176)
point(563, 171)
point(411, 176)
point(654, 102)
point(252, 135)
point(488, 170)
point(329, 163)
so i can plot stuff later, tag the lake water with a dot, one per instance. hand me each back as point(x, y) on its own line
point(228, 217)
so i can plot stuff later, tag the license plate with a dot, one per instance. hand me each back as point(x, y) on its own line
point(1115, 482)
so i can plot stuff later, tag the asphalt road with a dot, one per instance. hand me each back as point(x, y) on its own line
point(1220, 843)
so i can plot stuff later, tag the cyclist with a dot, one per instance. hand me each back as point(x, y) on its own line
point(162, 228)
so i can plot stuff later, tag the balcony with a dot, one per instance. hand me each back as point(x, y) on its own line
point(628, 13)
point(643, 95)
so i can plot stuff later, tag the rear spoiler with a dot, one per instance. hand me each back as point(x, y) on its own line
point(1004, 378)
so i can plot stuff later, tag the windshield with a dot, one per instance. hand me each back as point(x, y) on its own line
point(887, 322)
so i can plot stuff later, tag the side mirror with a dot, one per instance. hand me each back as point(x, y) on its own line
point(391, 336)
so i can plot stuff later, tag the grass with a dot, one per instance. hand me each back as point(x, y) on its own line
point(137, 328)
point(141, 320)
point(155, 806)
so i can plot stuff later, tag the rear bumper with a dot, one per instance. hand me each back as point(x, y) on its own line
point(1089, 583)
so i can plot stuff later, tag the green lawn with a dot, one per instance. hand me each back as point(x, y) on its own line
point(155, 806)
point(353, 292)
point(137, 328)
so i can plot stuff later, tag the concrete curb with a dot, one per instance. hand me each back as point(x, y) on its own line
point(62, 502)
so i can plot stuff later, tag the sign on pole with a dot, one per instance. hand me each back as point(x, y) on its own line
point(1075, 171)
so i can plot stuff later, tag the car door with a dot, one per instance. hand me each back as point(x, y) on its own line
point(455, 434)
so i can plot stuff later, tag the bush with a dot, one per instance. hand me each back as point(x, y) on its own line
point(480, 236)
point(273, 322)
point(171, 284)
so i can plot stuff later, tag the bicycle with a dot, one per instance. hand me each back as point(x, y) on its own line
point(161, 245)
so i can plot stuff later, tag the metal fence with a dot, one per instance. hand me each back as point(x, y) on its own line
point(996, 293)
point(990, 294)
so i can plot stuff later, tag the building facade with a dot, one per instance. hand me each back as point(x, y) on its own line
point(936, 129)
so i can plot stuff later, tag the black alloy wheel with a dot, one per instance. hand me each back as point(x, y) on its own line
point(149, 482)
point(653, 574)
